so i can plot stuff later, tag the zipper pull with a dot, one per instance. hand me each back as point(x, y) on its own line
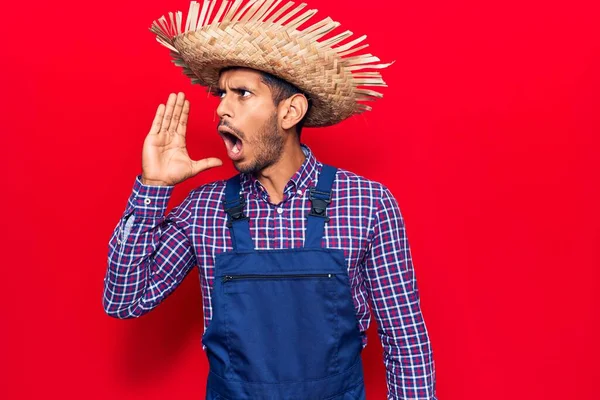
point(227, 278)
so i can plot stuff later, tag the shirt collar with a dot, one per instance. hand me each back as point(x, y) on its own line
point(301, 179)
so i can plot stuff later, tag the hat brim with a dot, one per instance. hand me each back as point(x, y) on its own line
point(318, 69)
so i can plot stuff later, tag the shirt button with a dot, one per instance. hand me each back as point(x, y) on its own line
point(147, 201)
point(279, 210)
point(299, 192)
point(119, 241)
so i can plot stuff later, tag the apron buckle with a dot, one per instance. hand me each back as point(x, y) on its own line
point(319, 204)
point(236, 212)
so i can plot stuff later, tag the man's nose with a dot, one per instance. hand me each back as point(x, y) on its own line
point(224, 108)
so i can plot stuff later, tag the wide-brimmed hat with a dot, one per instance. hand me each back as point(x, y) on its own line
point(259, 35)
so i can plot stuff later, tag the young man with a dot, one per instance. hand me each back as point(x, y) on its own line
point(290, 250)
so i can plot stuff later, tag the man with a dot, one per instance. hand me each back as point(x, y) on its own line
point(290, 249)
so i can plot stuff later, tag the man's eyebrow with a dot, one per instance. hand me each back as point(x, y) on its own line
point(236, 88)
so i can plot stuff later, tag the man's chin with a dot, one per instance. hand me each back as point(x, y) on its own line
point(238, 165)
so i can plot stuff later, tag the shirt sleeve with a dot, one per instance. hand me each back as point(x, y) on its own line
point(149, 254)
point(391, 280)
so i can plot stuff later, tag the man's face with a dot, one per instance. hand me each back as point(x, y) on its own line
point(248, 122)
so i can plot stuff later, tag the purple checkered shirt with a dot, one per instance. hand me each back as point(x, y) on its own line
point(149, 254)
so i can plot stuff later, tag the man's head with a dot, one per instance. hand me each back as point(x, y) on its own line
point(261, 113)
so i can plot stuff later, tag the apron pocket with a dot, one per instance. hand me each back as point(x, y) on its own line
point(281, 327)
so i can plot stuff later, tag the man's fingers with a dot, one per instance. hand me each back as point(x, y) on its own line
point(155, 128)
point(205, 164)
point(185, 112)
point(177, 112)
point(166, 121)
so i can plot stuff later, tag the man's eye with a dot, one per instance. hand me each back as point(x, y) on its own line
point(220, 94)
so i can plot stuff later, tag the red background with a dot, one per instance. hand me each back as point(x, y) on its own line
point(487, 135)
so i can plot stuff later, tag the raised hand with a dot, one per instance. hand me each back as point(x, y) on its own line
point(165, 160)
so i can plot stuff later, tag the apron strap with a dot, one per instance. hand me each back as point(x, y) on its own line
point(320, 198)
point(237, 221)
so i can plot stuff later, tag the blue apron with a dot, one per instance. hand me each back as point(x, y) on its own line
point(284, 325)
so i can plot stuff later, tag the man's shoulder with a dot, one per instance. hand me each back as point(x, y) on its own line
point(353, 180)
point(367, 191)
point(208, 191)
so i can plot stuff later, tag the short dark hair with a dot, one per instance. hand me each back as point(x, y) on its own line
point(280, 90)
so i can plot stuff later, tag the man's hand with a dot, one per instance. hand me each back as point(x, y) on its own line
point(165, 160)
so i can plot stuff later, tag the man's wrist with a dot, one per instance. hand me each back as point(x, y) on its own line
point(150, 182)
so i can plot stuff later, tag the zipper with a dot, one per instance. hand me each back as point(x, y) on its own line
point(228, 278)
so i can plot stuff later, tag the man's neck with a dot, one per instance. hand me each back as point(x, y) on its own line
point(275, 178)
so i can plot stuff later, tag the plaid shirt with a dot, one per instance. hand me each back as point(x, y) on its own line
point(149, 254)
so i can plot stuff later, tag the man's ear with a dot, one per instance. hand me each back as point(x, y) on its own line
point(294, 108)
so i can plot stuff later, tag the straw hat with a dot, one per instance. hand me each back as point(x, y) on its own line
point(252, 33)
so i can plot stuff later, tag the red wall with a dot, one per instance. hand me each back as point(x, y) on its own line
point(487, 135)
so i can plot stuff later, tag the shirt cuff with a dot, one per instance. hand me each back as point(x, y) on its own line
point(149, 201)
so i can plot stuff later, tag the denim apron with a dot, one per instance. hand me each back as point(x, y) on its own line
point(284, 325)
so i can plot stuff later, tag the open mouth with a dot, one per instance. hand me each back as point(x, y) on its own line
point(232, 142)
